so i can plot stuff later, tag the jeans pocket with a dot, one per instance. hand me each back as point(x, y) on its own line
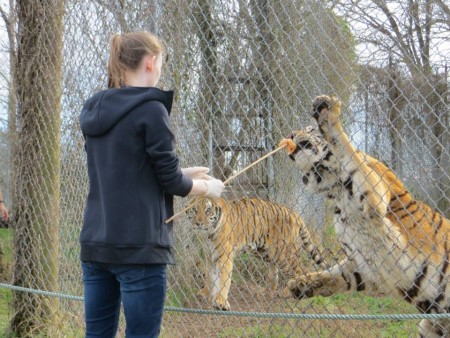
point(128, 273)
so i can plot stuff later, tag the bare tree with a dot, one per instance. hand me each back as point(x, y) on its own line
point(134, 15)
point(10, 21)
point(395, 103)
point(404, 32)
point(445, 10)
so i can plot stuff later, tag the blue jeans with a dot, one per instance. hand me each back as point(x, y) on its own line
point(140, 288)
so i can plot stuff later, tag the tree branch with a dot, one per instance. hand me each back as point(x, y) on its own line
point(4, 16)
point(445, 9)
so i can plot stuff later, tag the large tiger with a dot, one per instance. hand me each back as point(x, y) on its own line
point(394, 243)
point(276, 233)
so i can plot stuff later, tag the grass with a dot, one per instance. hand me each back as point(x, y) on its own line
point(178, 298)
point(340, 304)
point(5, 301)
point(6, 246)
point(359, 303)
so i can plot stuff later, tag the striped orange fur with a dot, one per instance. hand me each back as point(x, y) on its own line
point(275, 232)
point(395, 244)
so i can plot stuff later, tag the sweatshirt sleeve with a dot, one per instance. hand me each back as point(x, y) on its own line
point(160, 146)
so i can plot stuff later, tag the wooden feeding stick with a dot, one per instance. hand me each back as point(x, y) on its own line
point(228, 180)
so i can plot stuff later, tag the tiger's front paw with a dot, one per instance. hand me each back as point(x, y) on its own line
point(326, 109)
point(221, 304)
point(300, 288)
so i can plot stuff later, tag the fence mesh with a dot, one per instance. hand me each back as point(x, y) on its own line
point(245, 73)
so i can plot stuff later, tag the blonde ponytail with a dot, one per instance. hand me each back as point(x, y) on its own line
point(115, 70)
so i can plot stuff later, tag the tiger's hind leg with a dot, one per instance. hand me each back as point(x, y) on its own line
point(434, 328)
point(340, 278)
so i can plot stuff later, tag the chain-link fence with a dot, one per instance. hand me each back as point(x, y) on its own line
point(245, 73)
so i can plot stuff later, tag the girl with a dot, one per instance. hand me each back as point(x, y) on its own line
point(133, 176)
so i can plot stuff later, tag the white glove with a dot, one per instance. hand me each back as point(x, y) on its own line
point(214, 188)
point(197, 173)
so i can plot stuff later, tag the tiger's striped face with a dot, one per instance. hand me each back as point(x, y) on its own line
point(314, 158)
point(310, 147)
point(205, 216)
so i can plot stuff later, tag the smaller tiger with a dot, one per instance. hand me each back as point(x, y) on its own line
point(276, 233)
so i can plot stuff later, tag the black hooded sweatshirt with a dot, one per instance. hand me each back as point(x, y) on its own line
point(133, 174)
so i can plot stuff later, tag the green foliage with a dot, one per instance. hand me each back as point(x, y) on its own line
point(6, 245)
point(6, 242)
point(5, 301)
point(250, 267)
point(180, 297)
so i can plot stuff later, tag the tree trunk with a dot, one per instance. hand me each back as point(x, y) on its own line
point(395, 119)
point(264, 65)
point(36, 164)
point(208, 102)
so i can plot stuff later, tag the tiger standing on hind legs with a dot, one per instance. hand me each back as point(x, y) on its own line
point(394, 243)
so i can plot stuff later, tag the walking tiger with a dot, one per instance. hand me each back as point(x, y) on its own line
point(276, 233)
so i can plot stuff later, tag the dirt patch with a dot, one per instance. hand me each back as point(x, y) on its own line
point(250, 298)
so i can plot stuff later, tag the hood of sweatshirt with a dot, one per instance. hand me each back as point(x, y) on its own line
point(102, 111)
